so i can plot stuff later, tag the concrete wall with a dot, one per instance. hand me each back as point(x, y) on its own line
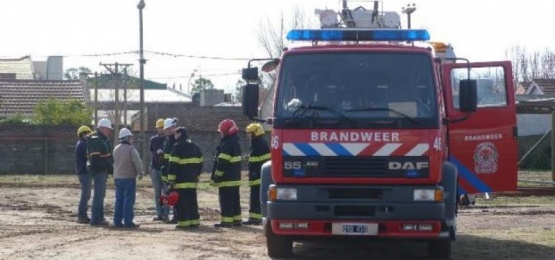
point(533, 124)
point(50, 150)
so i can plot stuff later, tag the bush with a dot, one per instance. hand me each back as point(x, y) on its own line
point(62, 112)
point(16, 120)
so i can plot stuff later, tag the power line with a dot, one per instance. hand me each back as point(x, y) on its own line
point(197, 57)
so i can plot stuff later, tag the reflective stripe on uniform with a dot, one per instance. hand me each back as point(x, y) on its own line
point(106, 155)
point(171, 177)
point(237, 217)
point(184, 223)
point(186, 161)
point(185, 185)
point(95, 153)
point(254, 159)
point(229, 184)
point(227, 219)
point(255, 216)
point(164, 177)
point(229, 158)
point(167, 156)
point(254, 182)
point(219, 173)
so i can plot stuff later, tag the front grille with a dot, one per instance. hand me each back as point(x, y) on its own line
point(354, 211)
point(356, 166)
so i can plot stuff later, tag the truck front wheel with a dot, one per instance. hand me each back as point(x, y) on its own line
point(278, 246)
point(439, 249)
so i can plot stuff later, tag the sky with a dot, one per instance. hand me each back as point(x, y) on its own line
point(479, 30)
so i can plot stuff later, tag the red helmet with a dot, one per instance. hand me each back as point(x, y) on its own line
point(170, 199)
point(227, 127)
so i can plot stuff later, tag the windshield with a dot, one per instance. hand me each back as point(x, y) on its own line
point(384, 87)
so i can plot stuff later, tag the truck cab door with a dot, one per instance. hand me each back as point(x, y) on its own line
point(484, 145)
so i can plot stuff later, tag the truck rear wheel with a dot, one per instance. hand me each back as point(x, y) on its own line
point(278, 246)
point(439, 249)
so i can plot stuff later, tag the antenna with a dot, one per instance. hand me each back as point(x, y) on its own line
point(409, 10)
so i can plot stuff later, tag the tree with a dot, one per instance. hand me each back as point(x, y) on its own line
point(62, 112)
point(528, 66)
point(73, 73)
point(238, 93)
point(271, 37)
point(202, 84)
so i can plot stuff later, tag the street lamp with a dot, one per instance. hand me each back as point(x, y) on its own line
point(142, 62)
point(189, 82)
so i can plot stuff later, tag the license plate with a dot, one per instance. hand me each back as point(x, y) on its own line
point(354, 229)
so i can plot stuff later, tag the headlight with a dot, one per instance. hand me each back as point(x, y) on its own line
point(286, 194)
point(428, 195)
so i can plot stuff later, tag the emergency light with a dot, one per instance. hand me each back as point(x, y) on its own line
point(358, 35)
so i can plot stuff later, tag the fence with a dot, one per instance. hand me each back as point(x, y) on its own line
point(50, 150)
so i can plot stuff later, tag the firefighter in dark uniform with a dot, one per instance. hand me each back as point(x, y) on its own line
point(260, 153)
point(227, 174)
point(185, 165)
point(100, 165)
point(170, 124)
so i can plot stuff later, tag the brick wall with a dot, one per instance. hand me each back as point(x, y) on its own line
point(50, 150)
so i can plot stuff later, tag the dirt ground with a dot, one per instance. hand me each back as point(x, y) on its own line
point(37, 221)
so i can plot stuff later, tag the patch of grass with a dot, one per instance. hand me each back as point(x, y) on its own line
point(517, 201)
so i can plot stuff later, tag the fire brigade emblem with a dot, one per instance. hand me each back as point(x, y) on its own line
point(486, 158)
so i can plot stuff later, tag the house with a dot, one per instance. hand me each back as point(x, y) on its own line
point(21, 96)
point(26, 69)
point(541, 87)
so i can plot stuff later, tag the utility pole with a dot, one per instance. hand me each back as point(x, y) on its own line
point(116, 75)
point(142, 62)
point(95, 98)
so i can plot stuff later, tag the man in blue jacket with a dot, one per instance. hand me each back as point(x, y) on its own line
point(83, 173)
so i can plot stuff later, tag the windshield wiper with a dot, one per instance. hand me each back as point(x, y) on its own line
point(303, 109)
point(384, 109)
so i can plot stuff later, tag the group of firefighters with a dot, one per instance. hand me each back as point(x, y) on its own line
point(174, 170)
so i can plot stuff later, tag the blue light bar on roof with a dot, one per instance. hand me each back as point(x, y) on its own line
point(358, 35)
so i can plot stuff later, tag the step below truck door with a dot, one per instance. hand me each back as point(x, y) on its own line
point(484, 146)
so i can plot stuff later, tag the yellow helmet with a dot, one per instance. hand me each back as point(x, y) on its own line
point(256, 129)
point(83, 129)
point(160, 123)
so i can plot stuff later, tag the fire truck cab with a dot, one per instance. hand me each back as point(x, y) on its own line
point(376, 131)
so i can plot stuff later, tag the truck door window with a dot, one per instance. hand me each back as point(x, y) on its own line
point(490, 84)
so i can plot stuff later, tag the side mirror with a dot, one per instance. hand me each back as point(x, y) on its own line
point(270, 65)
point(468, 95)
point(250, 74)
point(250, 100)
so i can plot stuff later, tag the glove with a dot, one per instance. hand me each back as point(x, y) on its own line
point(159, 151)
point(169, 186)
point(141, 176)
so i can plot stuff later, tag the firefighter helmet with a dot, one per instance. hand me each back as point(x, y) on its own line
point(170, 199)
point(227, 127)
point(256, 129)
point(160, 123)
point(83, 129)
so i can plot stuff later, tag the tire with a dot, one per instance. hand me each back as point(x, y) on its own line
point(439, 249)
point(278, 246)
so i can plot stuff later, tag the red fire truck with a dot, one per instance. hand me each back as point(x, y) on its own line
point(376, 131)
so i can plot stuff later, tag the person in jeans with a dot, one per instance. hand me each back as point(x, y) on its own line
point(127, 166)
point(83, 174)
point(100, 164)
point(156, 146)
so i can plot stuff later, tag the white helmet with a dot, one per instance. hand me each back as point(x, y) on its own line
point(105, 122)
point(169, 122)
point(124, 132)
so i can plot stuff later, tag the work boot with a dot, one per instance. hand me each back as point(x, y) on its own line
point(172, 221)
point(159, 218)
point(132, 225)
point(102, 223)
point(85, 220)
point(254, 222)
point(223, 225)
